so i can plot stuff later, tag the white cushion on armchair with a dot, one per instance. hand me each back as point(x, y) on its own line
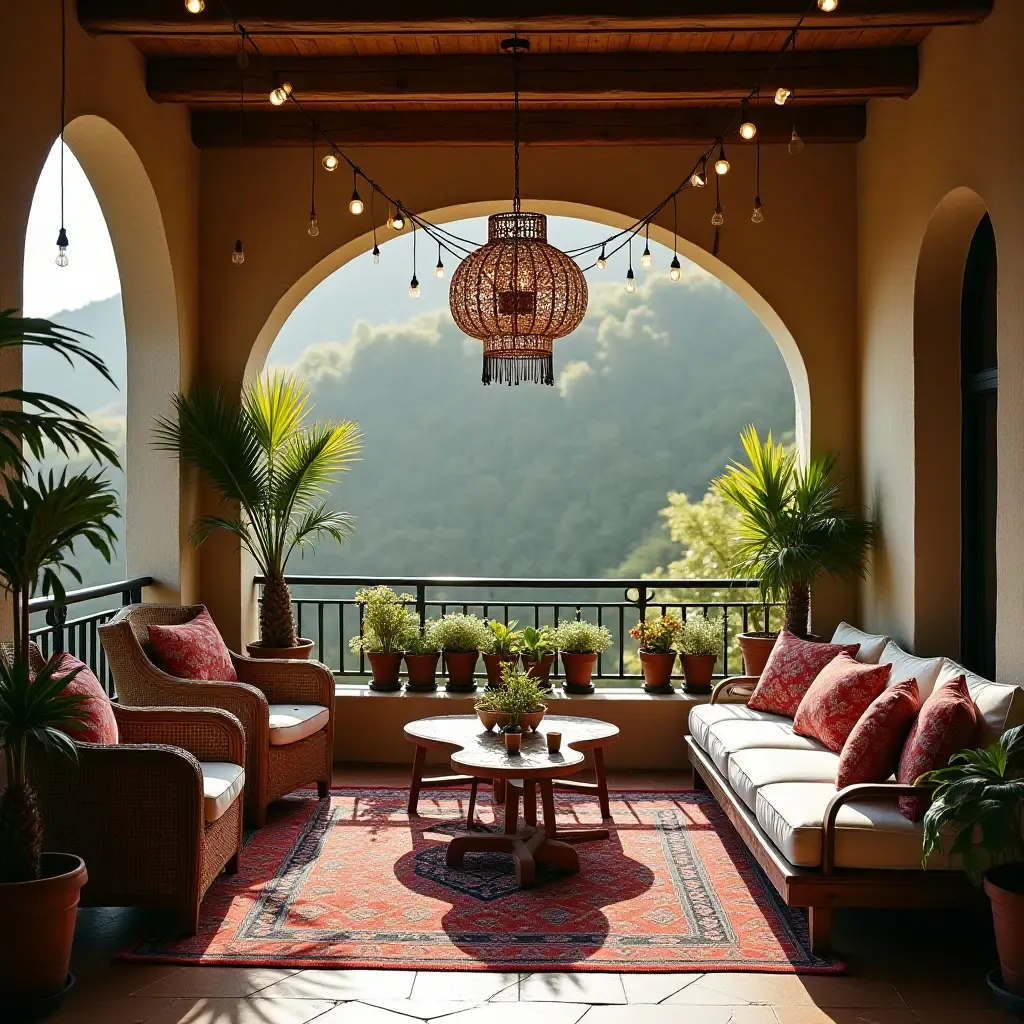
point(290, 723)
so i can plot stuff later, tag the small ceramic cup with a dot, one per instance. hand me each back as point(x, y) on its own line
point(554, 742)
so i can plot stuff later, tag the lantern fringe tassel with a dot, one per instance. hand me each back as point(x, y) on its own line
point(516, 369)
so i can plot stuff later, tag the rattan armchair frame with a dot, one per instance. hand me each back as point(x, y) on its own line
point(271, 772)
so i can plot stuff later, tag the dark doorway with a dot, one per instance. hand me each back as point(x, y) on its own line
point(979, 381)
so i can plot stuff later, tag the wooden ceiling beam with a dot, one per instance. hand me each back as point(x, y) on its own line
point(684, 126)
point(649, 78)
point(389, 17)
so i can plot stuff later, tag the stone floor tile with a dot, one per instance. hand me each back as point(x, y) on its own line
point(771, 989)
point(699, 993)
point(572, 987)
point(509, 994)
point(223, 982)
point(943, 993)
point(344, 984)
point(362, 1013)
point(115, 979)
point(423, 1009)
point(844, 1015)
point(666, 1014)
point(120, 1010)
point(515, 1013)
point(653, 988)
point(991, 1014)
point(256, 1010)
point(472, 985)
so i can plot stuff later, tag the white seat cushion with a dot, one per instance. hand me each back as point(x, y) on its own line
point(751, 769)
point(871, 644)
point(703, 716)
point(906, 666)
point(290, 723)
point(1000, 705)
point(720, 732)
point(222, 782)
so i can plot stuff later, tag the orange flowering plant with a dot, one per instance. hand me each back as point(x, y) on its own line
point(657, 636)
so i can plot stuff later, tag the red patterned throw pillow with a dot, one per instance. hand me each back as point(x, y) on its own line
point(193, 650)
point(793, 666)
point(100, 725)
point(872, 751)
point(842, 691)
point(945, 725)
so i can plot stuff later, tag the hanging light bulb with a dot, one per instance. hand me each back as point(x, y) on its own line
point(781, 95)
point(314, 227)
point(796, 144)
point(238, 256)
point(699, 178)
point(718, 217)
point(439, 269)
point(757, 217)
point(630, 281)
point(62, 248)
point(330, 161)
point(355, 204)
point(647, 260)
point(721, 164)
point(748, 129)
point(414, 288)
point(397, 222)
point(195, 6)
point(376, 253)
point(602, 260)
point(675, 271)
point(281, 93)
point(828, 6)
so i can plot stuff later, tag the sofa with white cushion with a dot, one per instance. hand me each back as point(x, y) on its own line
point(821, 848)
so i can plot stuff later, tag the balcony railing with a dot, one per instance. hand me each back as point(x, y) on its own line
point(89, 607)
point(327, 613)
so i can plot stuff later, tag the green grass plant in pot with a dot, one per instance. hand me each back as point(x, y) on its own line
point(793, 528)
point(502, 649)
point(422, 653)
point(580, 643)
point(384, 634)
point(42, 517)
point(700, 641)
point(538, 654)
point(516, 705)
point(461, 638)
point(976, 808)
point(271, 468)
point(655, 641)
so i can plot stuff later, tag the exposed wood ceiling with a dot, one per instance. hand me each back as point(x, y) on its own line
point(609, 72)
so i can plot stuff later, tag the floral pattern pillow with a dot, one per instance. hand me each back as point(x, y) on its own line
point(945, 725)
point(100, 725)
point(193, 650)
point(794, 664)
point(834, 702)
point(872, 751)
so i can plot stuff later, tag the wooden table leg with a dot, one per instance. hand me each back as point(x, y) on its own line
point(498, 791)
point(418, 761)
point(473, 786)
point(511, 811)
point(602, 784)
point(529, 802)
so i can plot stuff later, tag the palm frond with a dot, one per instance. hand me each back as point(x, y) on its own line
point(318, 522)
point(275, 408)
point(38, 333)
point(312, 460)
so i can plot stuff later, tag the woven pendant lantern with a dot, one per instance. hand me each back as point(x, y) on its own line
point(517, 293)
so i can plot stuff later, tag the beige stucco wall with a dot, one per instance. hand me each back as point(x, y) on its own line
point(962, 133)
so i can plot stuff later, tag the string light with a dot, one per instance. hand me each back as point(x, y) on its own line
point(748, 129)
point(314, 228)
point(195, 6)
point(414, 284)
point(376, 253)
point(602, 260)
point(281, 93)
point(397, 222)
point(718, 217)
point(238, 256)
point(699, 178)
point(439, 269)
point(721, 164)
point(796, 144)
point(373, 225)
point(781, 95)
point(62, 235)
point(330, 161)
point(647, 260)
point(630, 277)
point(757, 217)
point(828, 6)
point(355, 204)
point(674, 270)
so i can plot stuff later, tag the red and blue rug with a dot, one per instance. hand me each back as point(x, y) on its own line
point(353, 881)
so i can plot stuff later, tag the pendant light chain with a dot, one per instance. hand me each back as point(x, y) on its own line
point(515, 127)
point(62, 235)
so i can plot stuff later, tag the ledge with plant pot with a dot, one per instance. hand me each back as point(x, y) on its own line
point(699, 641)
point(538, 654)
point(502, 649)
point(655, 638)
point(580, 643)
point(386, 629)
point(460, 638)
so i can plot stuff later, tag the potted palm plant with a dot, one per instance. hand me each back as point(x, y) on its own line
point(461, 637)
point(538, 654)
point(384, 634)
point(422, 653)
point(976, 803)
point(518, 701)
point(656, 638)
point(271, 468)
point(580, 643)
point(700, 640)
point(41, 518)
point(793, 528)
point(502, 649)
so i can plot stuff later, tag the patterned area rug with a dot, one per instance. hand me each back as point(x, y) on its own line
point(353, 881)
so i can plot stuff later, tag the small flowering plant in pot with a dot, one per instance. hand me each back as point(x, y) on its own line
point(422, 653)
point(502, 649)
point(539, 654)
point(386, 627)
point(655, 639)
point(581, 643)
point(461, 638)
point(700, 640)
point(515, 706)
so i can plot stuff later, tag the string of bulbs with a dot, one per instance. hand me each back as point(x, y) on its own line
point(458, 247)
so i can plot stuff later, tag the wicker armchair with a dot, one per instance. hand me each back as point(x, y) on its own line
point(135, 811)
point(274, 764)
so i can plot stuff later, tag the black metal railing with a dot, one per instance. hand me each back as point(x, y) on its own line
point(327, 613)
point(79, 635)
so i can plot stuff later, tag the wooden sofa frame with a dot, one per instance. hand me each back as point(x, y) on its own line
point(828, 888)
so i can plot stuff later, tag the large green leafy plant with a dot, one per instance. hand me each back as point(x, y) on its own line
point(792, 525)
point(42, 516)
point(270, 463)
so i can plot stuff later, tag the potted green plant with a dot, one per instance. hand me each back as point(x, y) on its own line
point(502, 649)
point(422, 653)
point(793, 528)
point(580, 643)
point(700, 640)
point(41, 518)
point(460, 637)
point(271, 467)
point(655, 639)
point(518, 701)
point(976, 803)
point(538, 654)
point(384, 634)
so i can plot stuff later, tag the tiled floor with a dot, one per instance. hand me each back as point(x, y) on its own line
point(905, 968)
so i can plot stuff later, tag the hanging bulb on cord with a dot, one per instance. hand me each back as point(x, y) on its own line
point(721, 164)
point(602, 260)
point(414, 288)
point(718, 217)
point(238, 256)
point(757, 217)
point(647, 260)
point(630, 281)
point(781, 95)
point(699, 178)
point(376, 253)
point(828, 6)
point(281, 93)
point(355, 204)
point(397, 222)
point(439, 269)
point(674, 269)
point(195, 6)
point(62, 248)
point(796, 144)
point(330, 161)
point(748, 129)
point(314, 228)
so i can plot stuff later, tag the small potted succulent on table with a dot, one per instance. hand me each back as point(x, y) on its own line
point(386, 627)
point(422, 653)
point(581, 643)
point(518, 701)
point(502, 649)
point(699, 643)
point(539, 654)
point(655, 638)
point(461, 638)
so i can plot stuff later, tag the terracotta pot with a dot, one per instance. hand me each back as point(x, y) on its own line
point(531, 722)
point(698, 671)
point(513, 741)
point(300, 652)
point(493, 663)
point(38, 927)
point(498, 719)
point(422, 671)
point(460, 666)
point(757, 649)
point(540, 670)
point(579, 670)
point(385, 670)
point(657, 666)
point(1005, 888)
